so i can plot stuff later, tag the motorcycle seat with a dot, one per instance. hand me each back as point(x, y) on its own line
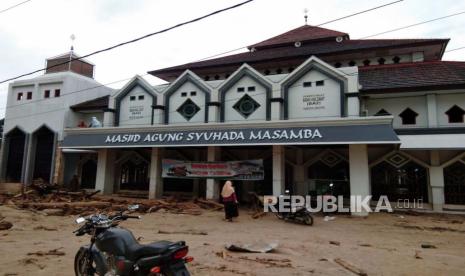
point(137, 251)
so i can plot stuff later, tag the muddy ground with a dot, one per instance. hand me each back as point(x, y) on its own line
point(382, 244)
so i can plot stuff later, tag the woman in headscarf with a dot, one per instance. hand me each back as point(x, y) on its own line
point(230, 201)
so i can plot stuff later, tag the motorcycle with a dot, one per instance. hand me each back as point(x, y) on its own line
point(114, 250)
point(300, 215)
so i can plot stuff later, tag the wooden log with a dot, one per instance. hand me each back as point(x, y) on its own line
point(350, 267)
point(210, 203)
point(190, 232)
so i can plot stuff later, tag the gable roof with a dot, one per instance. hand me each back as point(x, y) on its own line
point(410, 77)
point(321, 48)
point(301, 34)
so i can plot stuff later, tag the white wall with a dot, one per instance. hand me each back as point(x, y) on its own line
point(328, 97)
point(396, 105)
point(232, 96)
point(54, 112)
point(444, 103)
point(176, 101)
point(136, 112)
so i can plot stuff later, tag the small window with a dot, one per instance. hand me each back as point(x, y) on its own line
point(455, 114)
point(352, 63)
point(193, 93)
point(132, 98)
point(183, 94)
point(267, 72)
point(217, 77)
point(337, 64)
point(307, 84)
point(240, 89)
point(20, 96)
point(320, 83)
point(396, 59)
point(381, 61)
point(29, 95)
point(366, 62)
point(279, 71)
point(57, 92)
point(140, 97)
point(207, 78)
point(251, 88)
point(290, 69)
point(409, 117)
point(47, 94)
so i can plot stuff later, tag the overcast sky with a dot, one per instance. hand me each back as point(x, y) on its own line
point(41, 28)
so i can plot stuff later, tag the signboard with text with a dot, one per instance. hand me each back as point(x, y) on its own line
point(345, 134)
point(237, 170)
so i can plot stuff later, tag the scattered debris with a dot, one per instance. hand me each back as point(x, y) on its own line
point(323, 260)
point(424, 245)
point(429, 228)
point(41, 227)
point(328, 218)
point(53, 201)
point(190, 232)
point(257, 247)
point(222, 254)
point(350, 267)
point(269, 262)
point(365, 245)
point(335, 243)
point(417, 255)
point(258, 214)
point(5, 225)
point(53, 252)
point(32, 261)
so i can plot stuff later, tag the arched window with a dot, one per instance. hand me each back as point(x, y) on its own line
point(409, 117)
point(382, 112)
point(337, 64)
point(366, 62)
point(455, 114)
point(352, 63)
point(381, 61)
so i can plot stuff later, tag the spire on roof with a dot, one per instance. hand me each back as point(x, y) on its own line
point(305, 15)
point(72, 37)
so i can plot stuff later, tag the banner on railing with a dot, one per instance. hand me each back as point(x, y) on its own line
point(236, 170)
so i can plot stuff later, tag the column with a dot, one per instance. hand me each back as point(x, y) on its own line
point(28, 159)
point(436, 181)
point(299, 174)
point(276, 107)
point(213, 187)
point(432, 110)
point(196, 181)
point(4, 157)
point(108, 117)
point(359, 173)
point(105, 171)
point(278, 169)
point(156, 181)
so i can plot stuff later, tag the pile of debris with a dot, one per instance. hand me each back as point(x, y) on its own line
point(59, 202)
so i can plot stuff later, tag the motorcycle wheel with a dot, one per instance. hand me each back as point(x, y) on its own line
point(80, 264)
point(308, 219)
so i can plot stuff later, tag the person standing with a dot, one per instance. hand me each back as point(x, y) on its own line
point(230, 201)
